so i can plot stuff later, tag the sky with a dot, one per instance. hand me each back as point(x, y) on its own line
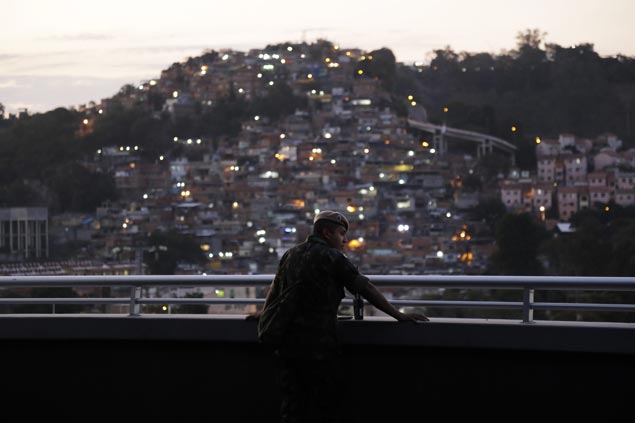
point(65, 53)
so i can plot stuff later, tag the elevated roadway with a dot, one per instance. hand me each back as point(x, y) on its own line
point(485, 143)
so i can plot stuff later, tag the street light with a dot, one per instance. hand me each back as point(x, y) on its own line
point(542, 213)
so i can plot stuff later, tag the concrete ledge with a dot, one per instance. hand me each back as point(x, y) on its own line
point(618, 338)
point(211, 368)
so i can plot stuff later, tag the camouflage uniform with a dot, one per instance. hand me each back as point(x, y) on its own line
point(309, 352)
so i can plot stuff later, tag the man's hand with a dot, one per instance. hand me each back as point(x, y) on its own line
point(413, 317)
point(253, 316)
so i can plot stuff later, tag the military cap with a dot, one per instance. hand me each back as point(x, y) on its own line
point(332, 216)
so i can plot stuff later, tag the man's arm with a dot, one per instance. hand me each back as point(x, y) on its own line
point(378, 300)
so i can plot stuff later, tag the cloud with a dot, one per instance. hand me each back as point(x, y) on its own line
point(83, 36)
point(9, 56)
point(44, 93)
point(17, 107)
point(82, 83)
point(9, 83)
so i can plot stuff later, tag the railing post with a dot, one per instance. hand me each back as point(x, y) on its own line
point(358, 307)
point(528, 310)
point(135, 292)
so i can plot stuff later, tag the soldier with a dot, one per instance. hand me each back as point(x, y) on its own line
point(299, 319)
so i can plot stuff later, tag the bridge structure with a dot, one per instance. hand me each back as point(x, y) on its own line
point(485, 143)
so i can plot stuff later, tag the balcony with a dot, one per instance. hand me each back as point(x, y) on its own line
point(163, 367)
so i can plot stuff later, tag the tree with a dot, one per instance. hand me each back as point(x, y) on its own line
point(380, 64)
point(59, 292)
point(177, 248)
point(530, 39)
point(585, 252)
point(490, 211)
point(225, 117)
point(191, 308)
point(78, 189)
point(279, 102)
point(518, 238)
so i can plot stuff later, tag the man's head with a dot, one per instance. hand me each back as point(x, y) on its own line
point(332, 227)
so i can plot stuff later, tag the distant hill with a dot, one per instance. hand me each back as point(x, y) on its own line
point(540, 90)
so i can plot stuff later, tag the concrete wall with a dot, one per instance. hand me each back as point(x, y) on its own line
point(210, 368)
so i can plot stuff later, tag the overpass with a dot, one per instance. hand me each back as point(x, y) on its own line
point(485, 143)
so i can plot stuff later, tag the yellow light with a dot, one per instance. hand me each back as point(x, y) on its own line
point(309, 76)
point(164, 307)
point(410, 97)
point(445, 110)
point(513, 129)
point(413, 103)
point(425, 144)
point(204, 247)
point(351, 209)
point(360, 72)
point(85, 121)
point(402, 168)
point(607, 208)
point(538, 140)
point(354, 244)
point(327, 60)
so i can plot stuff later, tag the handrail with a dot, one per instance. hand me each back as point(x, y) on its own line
point(135, 284)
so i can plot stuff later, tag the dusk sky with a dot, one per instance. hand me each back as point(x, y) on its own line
point(69, 52)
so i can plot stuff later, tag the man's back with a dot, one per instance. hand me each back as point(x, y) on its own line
point(313, 266)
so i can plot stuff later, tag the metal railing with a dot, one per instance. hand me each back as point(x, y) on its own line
point(529, 285)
